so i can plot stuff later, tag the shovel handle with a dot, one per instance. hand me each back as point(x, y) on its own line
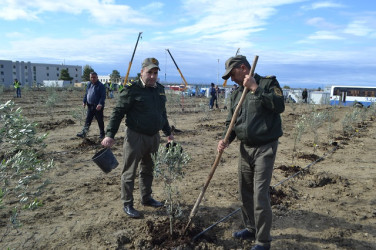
point(217, 159)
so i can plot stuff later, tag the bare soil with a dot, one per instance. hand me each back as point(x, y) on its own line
point(322, 199)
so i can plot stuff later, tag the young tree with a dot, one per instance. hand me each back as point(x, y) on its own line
point(115, 76)
point(169, 166)
point(22, 164)
point(86, 74)
point(64, 75)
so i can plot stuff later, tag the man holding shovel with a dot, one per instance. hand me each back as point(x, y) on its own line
point(258, 127)
point(143, 102)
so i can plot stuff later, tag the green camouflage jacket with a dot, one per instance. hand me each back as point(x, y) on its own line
point(259, 120)
point(144, 108)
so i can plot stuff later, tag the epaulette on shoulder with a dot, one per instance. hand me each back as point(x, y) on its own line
point(160, 85)
point(128, 85)
point(271, 76)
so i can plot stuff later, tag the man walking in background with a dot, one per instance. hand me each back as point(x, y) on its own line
point(258, 128)
point(143, 102)
point(213, 94)
point(305, 95)
point(217, 96)
point(94, 99)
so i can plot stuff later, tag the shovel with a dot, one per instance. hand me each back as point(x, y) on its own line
point(214, 167)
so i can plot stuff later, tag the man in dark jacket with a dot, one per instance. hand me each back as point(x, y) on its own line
point(143, 102)
point(213, 94)
point(258, 127)
point(305, 95)
point(94, 98)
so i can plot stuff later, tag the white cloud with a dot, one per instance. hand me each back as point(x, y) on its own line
point(324, 35)
point(14, 35)
point(320, 5)
point(320, 35)
point(324, 4)
point(104, 12)
point(152, 7)
point(108, 50)
point(229, 21)
point(11, 13)
point(118, 13)
point(359, 28)
point(321, 23)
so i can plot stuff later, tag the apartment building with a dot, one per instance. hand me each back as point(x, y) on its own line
point(35, 73)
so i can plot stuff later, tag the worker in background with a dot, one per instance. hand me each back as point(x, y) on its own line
point(17, 86)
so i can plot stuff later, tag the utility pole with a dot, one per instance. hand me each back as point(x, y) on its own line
point(218, 72)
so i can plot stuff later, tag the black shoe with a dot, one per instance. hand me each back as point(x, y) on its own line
point(259, 247)
point(82, 134)
point(244, 235)
point(152, 203)
point(131, 212)
point(101, 137)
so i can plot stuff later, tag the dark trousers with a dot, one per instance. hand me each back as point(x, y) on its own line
point(212, 100)
point(18, 92)
point(98, 114)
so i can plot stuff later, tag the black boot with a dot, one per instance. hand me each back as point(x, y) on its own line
point(130, 211)
point(83, 133)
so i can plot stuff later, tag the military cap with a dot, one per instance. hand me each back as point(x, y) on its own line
point(150, 63)
point(232, 62)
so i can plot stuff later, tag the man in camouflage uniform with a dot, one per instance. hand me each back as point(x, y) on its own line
point(258, 127)
point(143, 102)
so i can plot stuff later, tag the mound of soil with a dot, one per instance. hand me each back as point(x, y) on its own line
point(289, 170)
point(51, 125)
point(309, 157)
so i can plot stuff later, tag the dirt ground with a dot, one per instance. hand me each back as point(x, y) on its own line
point(328, 205)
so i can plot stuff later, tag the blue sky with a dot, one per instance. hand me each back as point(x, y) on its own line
point(304, 43)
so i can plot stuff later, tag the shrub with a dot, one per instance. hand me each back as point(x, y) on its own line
point(21, 159)
point(169, 163)
point(79, 114)
point(52, 101)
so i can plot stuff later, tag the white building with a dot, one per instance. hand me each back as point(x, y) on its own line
point(35, 73)
point(106, 79)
